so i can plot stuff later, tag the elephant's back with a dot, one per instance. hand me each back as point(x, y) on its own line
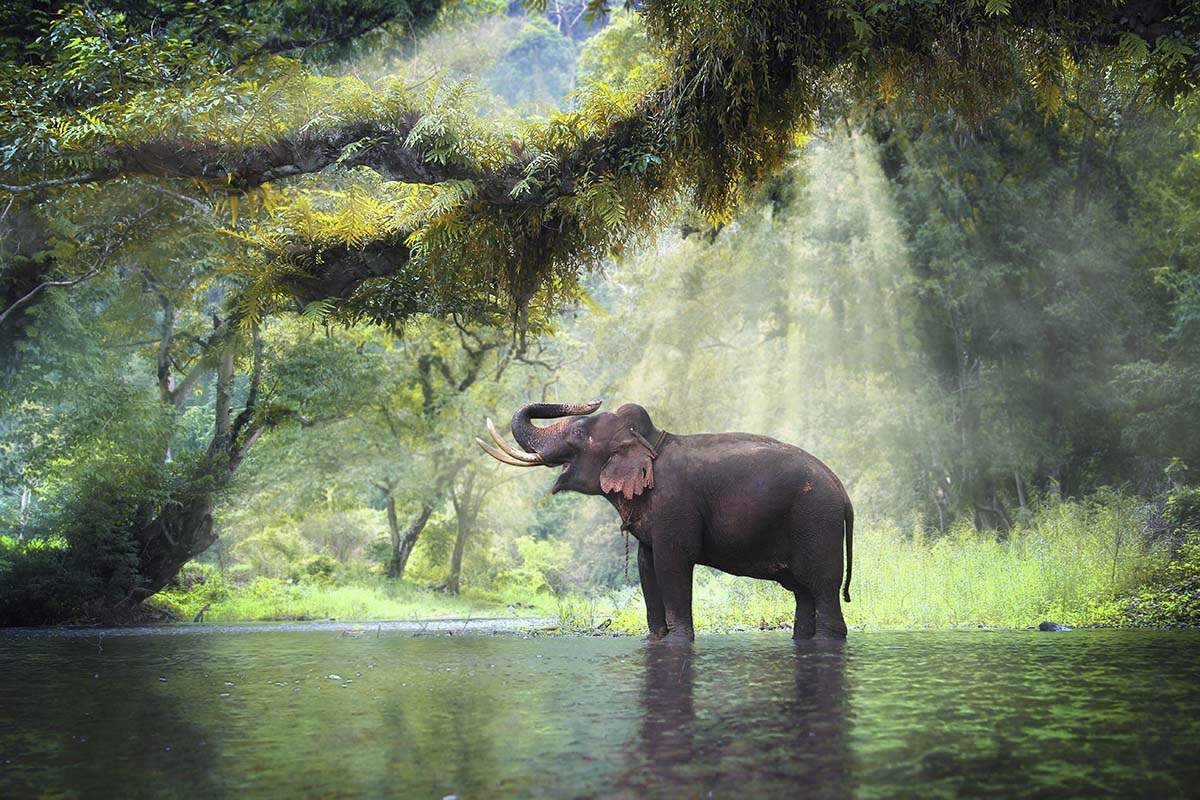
point(757, 497)
point(752, 458)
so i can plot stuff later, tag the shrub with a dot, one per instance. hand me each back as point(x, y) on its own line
point(542, 569)
point(1181, 512)
point(315, 569)
point(37, 584)
point(197, 585)
point(1173, 597)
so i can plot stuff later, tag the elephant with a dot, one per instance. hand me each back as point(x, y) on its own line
point(745, 504)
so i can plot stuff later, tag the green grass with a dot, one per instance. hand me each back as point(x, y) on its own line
point(264, 599)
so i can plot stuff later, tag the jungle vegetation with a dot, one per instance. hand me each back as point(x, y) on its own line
point(268, 265)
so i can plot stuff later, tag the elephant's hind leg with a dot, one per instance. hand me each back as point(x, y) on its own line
point(830, 623)
point(806, 622)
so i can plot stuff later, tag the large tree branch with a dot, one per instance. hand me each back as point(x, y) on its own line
point(236, 169)
point(908, 30)
point(111, 247)
point(724, 115)
point(224, 398)
point(166, 377)
point(94, 271)
point(337, 35)
point(94, 176)
point(256, 369)
point(382, 147)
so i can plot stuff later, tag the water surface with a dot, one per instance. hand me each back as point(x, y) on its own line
point(333, 712)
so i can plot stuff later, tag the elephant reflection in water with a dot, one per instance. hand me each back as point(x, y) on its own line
point(738, 724)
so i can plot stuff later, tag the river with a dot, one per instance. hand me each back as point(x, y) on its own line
point(336, 712)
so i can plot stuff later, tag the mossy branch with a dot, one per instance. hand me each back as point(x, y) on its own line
point(462, 215)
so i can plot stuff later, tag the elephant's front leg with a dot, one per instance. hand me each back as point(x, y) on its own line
point(656, 619)
point(673, 572)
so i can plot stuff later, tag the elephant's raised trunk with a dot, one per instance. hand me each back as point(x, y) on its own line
point(538, 440)
point(534, 440)
point(506, 454)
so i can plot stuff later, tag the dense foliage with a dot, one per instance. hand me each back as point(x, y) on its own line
point(396, 201)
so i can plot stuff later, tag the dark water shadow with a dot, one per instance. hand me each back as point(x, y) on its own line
point(88, 730)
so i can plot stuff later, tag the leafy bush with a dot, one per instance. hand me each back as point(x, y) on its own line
point(315, 569)
point(94, 524)
point(197, 585)
point(86, 561)
point(1173, 598)
point(542, 569)
point(264, 599)
point(1172, 601)
point(1182, 511)
point(37, 583)
point(274, 551)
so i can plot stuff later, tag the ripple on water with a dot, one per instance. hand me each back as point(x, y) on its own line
point(275, 712)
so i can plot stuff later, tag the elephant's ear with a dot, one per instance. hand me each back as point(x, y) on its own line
point(630, 470)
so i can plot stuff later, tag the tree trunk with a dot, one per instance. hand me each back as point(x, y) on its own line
point(402, 545)
point(990, 513)
point(224, 402)
point(466, 510)
point(179, 533)
point(393, 523)
point(183, 528)
point(453, 583)
point(1084, 173)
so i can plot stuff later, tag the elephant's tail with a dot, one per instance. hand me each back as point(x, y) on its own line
point(849, 548)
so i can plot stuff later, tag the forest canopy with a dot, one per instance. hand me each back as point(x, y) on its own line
point(383, 199)
point(353, 225)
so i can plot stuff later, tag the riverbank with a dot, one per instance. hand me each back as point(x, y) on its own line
point(721, 604)
point(1087, 563)
point(217, 600)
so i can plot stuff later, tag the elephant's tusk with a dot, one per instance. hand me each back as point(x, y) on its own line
point(532, 458)
point(501, 457)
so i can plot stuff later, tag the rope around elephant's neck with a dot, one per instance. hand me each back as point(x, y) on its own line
point(653, 448)
point(626, 558)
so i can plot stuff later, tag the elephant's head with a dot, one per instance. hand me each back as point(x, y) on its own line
point(609, 452)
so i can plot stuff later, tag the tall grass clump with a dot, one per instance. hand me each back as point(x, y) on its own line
point(1072, 561)
point(1069, 562)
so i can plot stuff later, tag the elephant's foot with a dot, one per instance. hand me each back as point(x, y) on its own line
point(830, 634)
point(806, 621)
point(677, 636)
point(657, 634)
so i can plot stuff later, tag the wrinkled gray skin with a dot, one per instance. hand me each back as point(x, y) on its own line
point(745, 504)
